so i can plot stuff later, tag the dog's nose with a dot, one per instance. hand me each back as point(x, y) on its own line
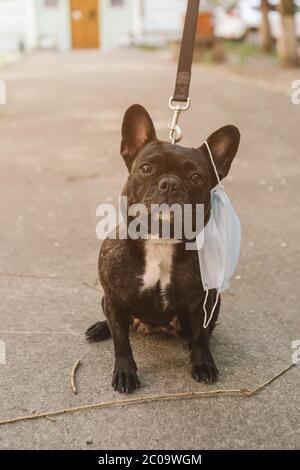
point(168, 184)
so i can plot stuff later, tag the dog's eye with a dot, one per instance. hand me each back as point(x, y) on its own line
point(196, 178)
point(146, 169)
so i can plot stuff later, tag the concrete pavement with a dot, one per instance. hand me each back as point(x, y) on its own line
point(59, 158)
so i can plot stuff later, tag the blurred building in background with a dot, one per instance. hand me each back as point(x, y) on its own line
point(64, 24)
point(104, 24)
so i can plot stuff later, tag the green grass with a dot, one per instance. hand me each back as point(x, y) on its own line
point(148, 47)
point(244, 50)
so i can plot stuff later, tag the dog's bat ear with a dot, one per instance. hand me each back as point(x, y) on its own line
point(137, 131)
point(223, 144)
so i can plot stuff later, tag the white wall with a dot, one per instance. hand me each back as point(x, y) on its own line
point(164, 16)
point(54, 28)
point(12, 22)
point(18, 25)
point(137, 19)
point(116, 23)
point(30, 25)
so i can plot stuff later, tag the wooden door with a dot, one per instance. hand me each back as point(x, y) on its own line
point(85, 24)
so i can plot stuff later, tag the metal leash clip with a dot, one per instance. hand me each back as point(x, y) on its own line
point(175, 131)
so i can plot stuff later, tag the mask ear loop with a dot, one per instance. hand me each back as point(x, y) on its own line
point(213, 164)
point(205, 321)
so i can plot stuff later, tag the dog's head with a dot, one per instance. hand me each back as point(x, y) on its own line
point(162, 173)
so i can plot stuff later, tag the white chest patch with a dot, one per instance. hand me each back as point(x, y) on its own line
point(158, 266)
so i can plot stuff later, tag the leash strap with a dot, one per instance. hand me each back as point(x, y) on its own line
point(183, 78)
point(184, 70)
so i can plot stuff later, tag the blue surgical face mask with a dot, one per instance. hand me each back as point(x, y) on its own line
point(219, 254)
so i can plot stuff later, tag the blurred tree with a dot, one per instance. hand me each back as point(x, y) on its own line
point(265, 29)
point(287, 43)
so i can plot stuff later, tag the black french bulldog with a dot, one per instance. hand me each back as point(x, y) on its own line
point(158, 284)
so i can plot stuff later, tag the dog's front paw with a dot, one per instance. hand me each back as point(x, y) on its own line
point(125, 378)
point(206, 371)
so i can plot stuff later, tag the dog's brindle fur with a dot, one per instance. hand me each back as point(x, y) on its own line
point(160, 173)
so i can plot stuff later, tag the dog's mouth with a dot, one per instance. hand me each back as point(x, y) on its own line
point(166, 222)
point(163, 213)
point(157, 224)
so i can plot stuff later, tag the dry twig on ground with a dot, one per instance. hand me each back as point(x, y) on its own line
point(152, 398)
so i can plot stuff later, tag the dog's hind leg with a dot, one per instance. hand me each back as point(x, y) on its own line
point(98, 331)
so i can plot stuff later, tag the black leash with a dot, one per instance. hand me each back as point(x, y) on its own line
point(184, 70)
